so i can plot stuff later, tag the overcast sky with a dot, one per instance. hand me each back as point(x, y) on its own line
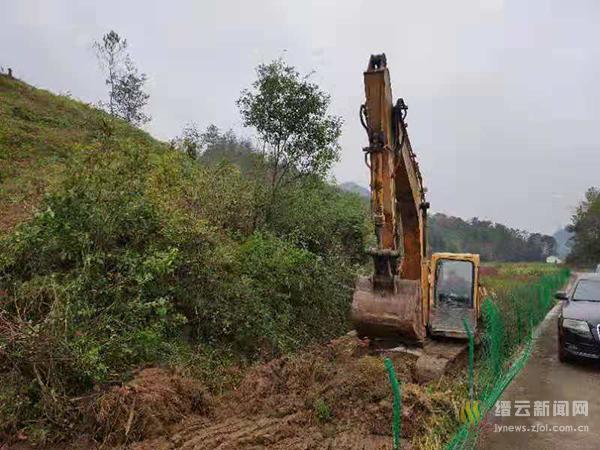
point(503, 95)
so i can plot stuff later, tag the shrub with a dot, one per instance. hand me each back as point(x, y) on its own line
point(139, 252)
point(323, 219)
point(322, 411)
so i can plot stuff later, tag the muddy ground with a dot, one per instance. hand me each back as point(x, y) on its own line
point(334, 396)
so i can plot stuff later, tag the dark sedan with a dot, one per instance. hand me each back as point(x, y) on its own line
point(579, 320)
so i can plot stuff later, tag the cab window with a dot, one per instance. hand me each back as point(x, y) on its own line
point(454, 283)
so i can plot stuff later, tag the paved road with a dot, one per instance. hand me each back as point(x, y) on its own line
point(546, 379)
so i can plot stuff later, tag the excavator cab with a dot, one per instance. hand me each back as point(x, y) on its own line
point(453, 294)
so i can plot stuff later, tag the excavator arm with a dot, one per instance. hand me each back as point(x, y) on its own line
point(397, 196)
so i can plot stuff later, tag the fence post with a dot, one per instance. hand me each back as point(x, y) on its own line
point(396, 424)
point(530, 321)
point(519, 324)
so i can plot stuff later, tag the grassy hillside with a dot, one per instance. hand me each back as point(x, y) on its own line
point(118, 252)
point(38, 133)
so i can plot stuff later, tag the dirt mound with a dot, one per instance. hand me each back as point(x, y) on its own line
point(285, 433)
point(147, 405)
point(335, 396)
point(260, 433)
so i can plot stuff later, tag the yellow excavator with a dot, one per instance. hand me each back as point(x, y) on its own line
point(409, 297)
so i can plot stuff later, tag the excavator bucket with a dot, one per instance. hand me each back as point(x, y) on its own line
point(394, 314)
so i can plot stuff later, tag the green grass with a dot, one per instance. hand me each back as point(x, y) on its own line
point(39, 132)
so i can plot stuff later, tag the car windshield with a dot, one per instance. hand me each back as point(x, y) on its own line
point(454, 283)
point(587, 290)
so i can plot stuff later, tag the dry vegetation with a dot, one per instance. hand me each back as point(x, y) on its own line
point(331, 396)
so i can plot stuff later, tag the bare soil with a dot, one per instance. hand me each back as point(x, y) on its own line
point(330, 397)
point(335, 396)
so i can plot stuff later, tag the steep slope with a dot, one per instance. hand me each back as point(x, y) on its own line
point(38, 133)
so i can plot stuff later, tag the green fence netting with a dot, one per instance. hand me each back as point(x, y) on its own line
point(397, 417)
point(508, 322)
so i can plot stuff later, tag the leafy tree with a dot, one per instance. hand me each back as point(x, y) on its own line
point(190, 141)
point(323, 219)
point(540, 246)
point(212, 146)
point(585, 224)
point(289, 113)
point(225, 145)
point(111, 53)
point(126, 96)
point(212, 136)
point(130, 98)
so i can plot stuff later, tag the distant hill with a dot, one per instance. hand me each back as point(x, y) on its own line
point(351, 186)
point(493, 241)
point(562, 238)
